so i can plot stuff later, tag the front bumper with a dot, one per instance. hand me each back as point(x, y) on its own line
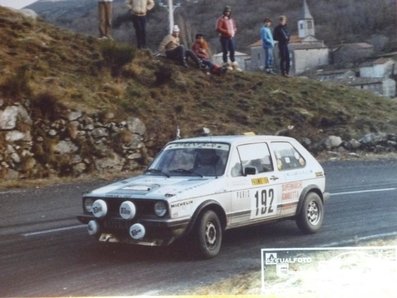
point(159, 232)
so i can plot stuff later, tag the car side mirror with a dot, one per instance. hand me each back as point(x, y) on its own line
point(250, 171)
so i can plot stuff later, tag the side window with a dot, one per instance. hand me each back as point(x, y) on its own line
point(287, 157)
point(253, 155)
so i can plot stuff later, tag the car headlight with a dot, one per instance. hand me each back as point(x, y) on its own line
point(160, 208)
point(88, 205)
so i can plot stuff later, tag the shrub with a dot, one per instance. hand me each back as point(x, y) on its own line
point(115, 56)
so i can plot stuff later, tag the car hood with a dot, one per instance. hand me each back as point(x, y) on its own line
point(156, 187)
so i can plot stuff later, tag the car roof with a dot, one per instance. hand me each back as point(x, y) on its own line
point(235, 140)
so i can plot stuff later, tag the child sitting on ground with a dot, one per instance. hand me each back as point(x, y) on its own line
point(201, 49)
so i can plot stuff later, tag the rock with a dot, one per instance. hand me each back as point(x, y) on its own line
point(39, 139)
point(1, 102)
point(65, 147)
point(134, 156)
point(15, 157)
point(89, 127)
point(353, 154)
point(306, 142)
point(136, 126)
point(99, 132)
point(112, 163)
point(333, 142)
point(15, 135)
point(28, 164)
point(353, 144)
point(11, 115)
point(52, 133)
point(74, 115)
point(79, 168)
point(373, 139)
point(73, 129)
point(76, 159)
point(11, 175)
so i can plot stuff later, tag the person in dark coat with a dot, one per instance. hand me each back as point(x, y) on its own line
point(282, 35)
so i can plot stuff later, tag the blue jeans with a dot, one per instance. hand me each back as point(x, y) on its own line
point(268, 58)
point(228, 45)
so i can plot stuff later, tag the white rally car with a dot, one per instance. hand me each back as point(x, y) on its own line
point(204, 186)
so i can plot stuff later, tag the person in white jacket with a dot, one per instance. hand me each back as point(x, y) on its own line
point(105, 18)
point(139, 10)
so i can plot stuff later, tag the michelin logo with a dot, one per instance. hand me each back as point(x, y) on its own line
point(273, 259)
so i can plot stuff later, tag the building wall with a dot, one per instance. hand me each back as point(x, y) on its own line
point(389, 88)
point(310, 59)
point(377, 71)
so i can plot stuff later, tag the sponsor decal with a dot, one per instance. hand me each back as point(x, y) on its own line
point(291, 191)
point(181, 204)
point(180, 209)
point(260, 181)
point(319, 174)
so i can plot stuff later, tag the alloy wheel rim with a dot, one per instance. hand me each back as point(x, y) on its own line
point(210, 234)
point(313, 213)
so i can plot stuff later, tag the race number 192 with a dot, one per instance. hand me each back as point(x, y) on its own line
point(264, 202)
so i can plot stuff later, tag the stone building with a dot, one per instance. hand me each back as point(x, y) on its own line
point(379, 68)
point(306, 51)
point(380, 86)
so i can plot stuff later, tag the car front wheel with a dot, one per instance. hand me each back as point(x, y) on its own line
point(209, 235)
point(311, 216)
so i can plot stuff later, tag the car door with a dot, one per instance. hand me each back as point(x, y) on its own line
point(294, 174)
point(255, 187)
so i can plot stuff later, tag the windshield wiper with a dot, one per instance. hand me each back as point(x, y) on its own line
point(157, 171)
point(183, 171)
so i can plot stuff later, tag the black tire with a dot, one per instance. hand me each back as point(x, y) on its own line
point(208, 235)
point(311, 215)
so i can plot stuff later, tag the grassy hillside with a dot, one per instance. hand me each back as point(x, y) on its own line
point(51, 70)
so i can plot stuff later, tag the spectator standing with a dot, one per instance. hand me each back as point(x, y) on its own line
point(139, 10)
point(172, 48)
point(268, 45)
point(105, 18)
point(201, 49)
point(226, 27)
point(282, 35)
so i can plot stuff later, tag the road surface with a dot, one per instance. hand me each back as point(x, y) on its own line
point(44, 251)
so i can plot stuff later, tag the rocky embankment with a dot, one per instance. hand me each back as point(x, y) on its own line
point(79, 143)
point(73, 145)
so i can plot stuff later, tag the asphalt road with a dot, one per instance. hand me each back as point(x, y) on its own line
point(44, 251)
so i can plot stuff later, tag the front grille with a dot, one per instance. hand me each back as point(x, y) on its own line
point(116, 224)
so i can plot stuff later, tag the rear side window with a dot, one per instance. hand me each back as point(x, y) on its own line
point(287, 157)
point(253, 155)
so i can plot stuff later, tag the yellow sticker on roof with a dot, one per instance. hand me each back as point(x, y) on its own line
point(260, 181)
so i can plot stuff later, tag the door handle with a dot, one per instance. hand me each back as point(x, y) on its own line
point(274, 178)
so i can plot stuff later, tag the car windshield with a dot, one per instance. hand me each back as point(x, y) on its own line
point(191, 159)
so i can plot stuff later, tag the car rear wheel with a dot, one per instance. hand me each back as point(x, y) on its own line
point(208, 235)
point(311, 216)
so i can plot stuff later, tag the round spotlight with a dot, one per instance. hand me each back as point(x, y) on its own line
point(137, 231)
point(99, 208)
point(127, 210)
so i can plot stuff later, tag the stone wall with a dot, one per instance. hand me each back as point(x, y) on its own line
point(72, 145)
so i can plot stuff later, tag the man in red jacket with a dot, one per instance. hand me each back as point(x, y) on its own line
point(226, 27)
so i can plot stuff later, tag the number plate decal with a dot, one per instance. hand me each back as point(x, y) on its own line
point(263, 203)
